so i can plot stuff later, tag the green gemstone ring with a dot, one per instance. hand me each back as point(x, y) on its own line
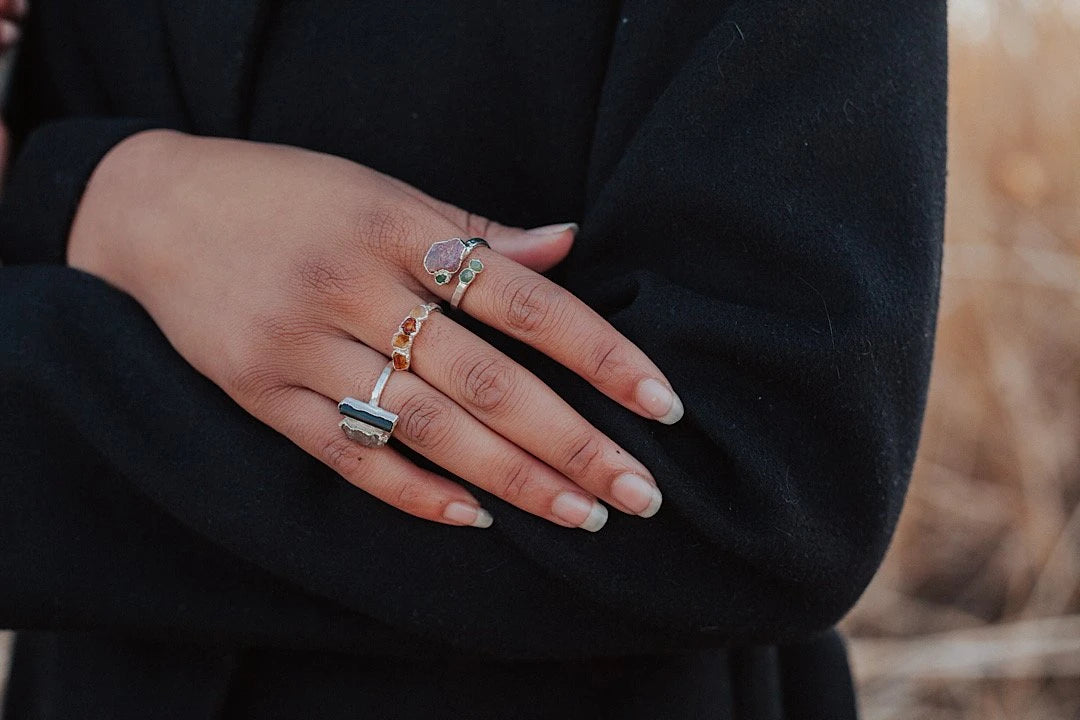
point(445, 257)
point(465, 279)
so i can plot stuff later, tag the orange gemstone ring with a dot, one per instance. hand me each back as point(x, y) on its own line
point(401, 344)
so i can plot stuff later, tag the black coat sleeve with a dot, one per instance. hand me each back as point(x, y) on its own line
point(764, 220)
point(46, 181)
point(56, 110)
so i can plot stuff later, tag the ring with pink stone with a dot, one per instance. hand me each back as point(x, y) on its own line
point(445, 257)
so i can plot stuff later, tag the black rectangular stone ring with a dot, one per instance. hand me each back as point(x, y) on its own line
point(366, 422)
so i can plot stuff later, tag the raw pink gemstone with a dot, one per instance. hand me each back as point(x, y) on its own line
point(444, 255)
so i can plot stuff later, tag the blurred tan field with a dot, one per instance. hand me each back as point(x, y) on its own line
point(976, 612)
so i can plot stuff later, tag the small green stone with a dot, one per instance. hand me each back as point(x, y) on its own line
point(441, 278)
point(476, 265)
point(467, 275)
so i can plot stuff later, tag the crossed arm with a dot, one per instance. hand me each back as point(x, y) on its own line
point(782, 200)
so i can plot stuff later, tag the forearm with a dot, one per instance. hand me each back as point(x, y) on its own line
point(243, 518)
point(756, 247)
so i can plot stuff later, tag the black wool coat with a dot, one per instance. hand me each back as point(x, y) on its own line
point(760, 191)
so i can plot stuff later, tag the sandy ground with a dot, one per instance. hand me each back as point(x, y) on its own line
point(976, 612)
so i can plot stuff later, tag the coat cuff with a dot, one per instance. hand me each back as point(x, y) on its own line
point(46, 183)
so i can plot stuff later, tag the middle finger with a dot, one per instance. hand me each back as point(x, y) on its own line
point(513, 402)
point(522, 408)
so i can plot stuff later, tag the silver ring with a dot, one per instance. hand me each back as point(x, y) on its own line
point(366, 422)
point(444, 258)
point(474, 268)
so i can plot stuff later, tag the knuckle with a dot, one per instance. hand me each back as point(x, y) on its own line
point(604, 360)
point(387, 230)
point(256, 376)
point(426, 420)
point(324, 277)
point(256, 383)
point(514, 482)
point(583, 455)
point(489, 382)
point(275, 331)
point(533, 306)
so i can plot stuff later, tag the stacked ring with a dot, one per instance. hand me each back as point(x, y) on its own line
point(444, 258)
point(366, 422)
point(401, 343)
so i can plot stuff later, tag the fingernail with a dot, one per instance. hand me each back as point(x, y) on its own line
point(659, 401)
point(553, 229)
point(9, 33)
point(580, 511)
point(637, 493)
point(467, 514)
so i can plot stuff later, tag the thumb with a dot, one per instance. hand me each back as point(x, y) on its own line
point(538, 249)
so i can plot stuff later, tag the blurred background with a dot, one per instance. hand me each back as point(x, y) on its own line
point(976, 612)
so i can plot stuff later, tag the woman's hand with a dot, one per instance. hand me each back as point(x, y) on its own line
point(282, 274)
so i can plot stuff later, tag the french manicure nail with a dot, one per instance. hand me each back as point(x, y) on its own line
point(553, 229)
point(580, 511)
point(637, 493)
point(466, 514)
point(659, 401)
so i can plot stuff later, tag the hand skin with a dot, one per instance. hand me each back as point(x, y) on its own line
point(281, 274)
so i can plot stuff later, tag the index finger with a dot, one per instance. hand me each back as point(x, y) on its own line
point(527, 306)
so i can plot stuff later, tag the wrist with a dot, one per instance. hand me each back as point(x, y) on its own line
point(114, 225)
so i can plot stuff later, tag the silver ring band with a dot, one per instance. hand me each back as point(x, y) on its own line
point(376, 392)
point(365, 422)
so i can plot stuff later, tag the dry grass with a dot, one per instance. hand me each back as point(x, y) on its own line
point(976, 612)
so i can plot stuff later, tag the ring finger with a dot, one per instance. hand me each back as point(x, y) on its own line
point(440, 430)
point(511, 403)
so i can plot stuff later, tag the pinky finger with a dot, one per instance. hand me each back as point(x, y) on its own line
point(311, 421)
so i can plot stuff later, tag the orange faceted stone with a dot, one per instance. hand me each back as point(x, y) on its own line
point(409, 326)
point(401, 340)
point(401, 361)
